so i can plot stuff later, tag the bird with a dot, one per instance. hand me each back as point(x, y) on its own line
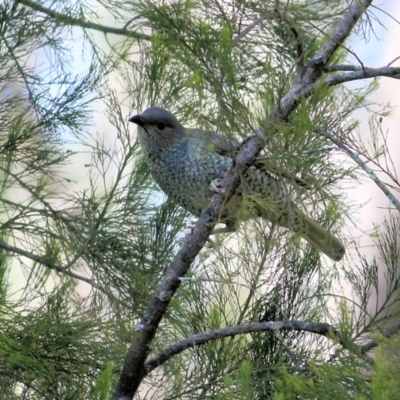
point(188, 164)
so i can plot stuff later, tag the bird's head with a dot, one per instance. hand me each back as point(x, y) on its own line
point(158, 127)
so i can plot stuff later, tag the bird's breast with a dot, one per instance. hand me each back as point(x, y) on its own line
point(185, 174)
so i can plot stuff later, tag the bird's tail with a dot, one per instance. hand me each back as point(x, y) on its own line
point(319, 237)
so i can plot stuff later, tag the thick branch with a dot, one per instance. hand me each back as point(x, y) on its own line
point(202, 338)
point(363, 165)
point(134, 369)
point(63, 19)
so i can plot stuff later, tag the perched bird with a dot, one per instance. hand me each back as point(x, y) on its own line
point(187, 164)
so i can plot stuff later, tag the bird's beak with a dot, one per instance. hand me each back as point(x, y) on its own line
point(138, 120)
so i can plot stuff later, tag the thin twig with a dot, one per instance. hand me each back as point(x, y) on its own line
point(248, 29)
point(363, 165)
point(63, 19)
point(393, 61)
point(249, 288)
point(386, 13)
point(49, 264)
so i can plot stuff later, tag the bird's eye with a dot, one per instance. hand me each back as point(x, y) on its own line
point(161, 126)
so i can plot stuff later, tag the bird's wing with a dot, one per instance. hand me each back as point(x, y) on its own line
point(270, 166)
point(225, 146)
point(215, 142)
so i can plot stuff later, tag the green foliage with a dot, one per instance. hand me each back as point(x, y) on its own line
point(385, 382)
point(86, 236)
point(352, 380)
point(324, 380)
point(103, 386)
point(49, 350)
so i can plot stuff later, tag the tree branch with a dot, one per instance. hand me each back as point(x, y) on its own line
point(249, 28)
point(373, 343)
point(134, 369)
point(343, 67)
point(363, 165)
point(310, 74)
point(323, 329)
point(49, 264)
point(360, 73)
point(63, 19)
